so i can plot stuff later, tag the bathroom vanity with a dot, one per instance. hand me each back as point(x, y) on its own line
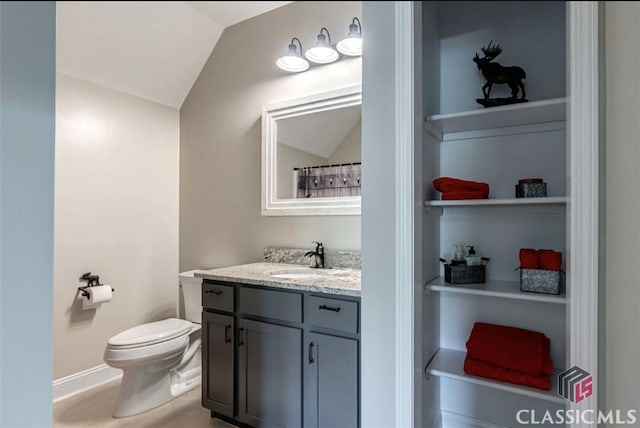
point(281, 345)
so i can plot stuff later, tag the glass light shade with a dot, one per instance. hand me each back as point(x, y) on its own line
point(350, 46)
point(322, 54)
point(292, 63)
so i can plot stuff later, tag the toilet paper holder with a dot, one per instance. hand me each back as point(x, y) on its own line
point(92, 281)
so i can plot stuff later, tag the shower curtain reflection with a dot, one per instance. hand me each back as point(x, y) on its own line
point(328, 181)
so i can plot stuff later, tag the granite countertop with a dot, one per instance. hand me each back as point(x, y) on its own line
point(341, 281)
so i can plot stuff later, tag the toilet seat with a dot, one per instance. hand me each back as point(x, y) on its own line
point(150, 334)
point(121, 357)
point(158, 341)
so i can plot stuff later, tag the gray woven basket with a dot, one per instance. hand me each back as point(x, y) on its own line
point(540, 281)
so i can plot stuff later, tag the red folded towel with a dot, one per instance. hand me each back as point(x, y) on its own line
point(455, 196)
point(512, 348)
point(448, 184)
point(550, 260)
point(529, 259)
point(480, 368)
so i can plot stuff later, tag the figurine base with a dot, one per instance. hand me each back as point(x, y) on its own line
point(495, 102)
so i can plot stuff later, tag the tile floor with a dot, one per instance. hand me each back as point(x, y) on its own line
point(93, 409)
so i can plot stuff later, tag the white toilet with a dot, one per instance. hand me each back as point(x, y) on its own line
point(160, 360)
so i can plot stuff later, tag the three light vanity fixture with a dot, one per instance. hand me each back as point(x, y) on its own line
point(323, 52)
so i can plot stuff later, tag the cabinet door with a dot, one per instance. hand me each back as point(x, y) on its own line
point(270, 374)
point(331, 382)
point(217, 363)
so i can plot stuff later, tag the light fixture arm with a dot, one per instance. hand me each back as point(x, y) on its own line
point(299, 43)
point(328, 35)
point(356, 20)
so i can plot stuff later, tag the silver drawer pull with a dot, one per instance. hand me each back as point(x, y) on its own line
point(329, 308)
point(216, 292)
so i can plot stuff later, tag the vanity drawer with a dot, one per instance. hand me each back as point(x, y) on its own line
point(279, 305)
point(217, 296)
point(334, 314)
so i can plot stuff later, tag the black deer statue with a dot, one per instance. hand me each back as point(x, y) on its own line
point(495, 73)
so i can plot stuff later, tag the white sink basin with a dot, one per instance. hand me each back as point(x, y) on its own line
point(304, 273)
point(296, 275)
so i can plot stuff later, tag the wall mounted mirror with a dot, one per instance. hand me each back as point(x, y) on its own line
point(311, 155)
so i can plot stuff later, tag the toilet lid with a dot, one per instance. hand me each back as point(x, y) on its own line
point(150, 333)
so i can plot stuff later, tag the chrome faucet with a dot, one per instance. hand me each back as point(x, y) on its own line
point(318, 256)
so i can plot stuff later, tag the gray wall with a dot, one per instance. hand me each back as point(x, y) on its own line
point(27, 130)
point(116, 215)
point(622, 317)
point(378, 225)
point(220, 222)
point(350, 150)
point(514, 26)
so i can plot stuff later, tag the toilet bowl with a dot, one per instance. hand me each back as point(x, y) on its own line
point(160, 360)
point(155, 359)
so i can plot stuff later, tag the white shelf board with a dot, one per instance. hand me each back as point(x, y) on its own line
point(494, 288)
point(549, 200)
point(450, 364)
point(529, 113)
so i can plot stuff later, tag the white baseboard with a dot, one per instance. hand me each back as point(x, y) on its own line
point(76, 383)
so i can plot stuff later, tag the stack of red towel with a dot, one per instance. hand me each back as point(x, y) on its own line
point(455, 189)
point(509, 354)
point(540, 259)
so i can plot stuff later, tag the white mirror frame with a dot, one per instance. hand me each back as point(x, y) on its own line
point(271, 113)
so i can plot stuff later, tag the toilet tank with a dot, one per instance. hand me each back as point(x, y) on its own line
point(192, 293)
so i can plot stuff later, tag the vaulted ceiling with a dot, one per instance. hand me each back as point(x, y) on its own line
point(151, 49)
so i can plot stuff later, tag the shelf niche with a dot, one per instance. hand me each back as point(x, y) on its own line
point(510, 116)
point(495, 288)
point(505, 202)
point(499, 146)
point(449, 363)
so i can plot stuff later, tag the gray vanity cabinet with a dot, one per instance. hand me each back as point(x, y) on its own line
point(217, 362)
point(332, 370)
point(331, 381)
point(269, 374)
point(280, 357)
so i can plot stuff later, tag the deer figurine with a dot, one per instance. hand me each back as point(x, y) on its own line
point(498, 74)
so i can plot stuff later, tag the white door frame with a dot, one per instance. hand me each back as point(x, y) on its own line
point(408, 307)
point(584, 186)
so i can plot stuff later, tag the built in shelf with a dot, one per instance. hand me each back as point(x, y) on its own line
point(448, 363)
point(531, 113)
point(493, 288)
point(549, 200)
